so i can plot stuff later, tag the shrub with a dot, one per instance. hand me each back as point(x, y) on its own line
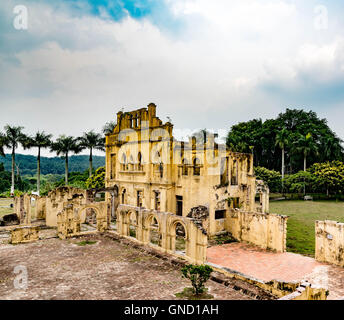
point(271, 177)
point(198, 275)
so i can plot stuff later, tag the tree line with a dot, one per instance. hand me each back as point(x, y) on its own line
point(63, 146)
point(293, 141)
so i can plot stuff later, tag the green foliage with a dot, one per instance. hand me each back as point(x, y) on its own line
point(301, 133)
point(298, 181)
point(198, 275)
point(75, 179)
point(97, 180)
point(271, 177)
point(329, 175)
point(51, 165)
point(86, 242)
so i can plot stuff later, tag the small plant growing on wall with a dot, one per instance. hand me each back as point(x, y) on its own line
point(198, 275)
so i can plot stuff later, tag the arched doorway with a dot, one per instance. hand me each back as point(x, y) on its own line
point(154, 231)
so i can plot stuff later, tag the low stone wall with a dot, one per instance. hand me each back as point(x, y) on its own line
point(306, 292)
point(24, 234)
point(329, 242)
point(266, 230)
point(196, 238)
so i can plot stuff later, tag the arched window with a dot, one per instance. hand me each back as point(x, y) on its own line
point(124, 162)
point(196, 167)
point(123, 196)
point(139, 165)
point(185, 167)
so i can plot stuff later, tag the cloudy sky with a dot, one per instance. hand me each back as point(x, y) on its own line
point(206, 64)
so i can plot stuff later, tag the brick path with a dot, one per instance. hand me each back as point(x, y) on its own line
point(266, 265)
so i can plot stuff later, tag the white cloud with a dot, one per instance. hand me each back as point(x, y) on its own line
point(83, 69)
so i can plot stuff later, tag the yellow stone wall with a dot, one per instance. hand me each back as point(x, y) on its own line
point(267, 231)
point(329, 242)
point(24, 234)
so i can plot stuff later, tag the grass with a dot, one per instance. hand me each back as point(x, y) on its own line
point(189, 294)
point(301, 223)
point(86, 242)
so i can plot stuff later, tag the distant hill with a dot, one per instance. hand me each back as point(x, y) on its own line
point(56, 165)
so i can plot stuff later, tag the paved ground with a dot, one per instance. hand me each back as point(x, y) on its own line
point(61, 269)
point(266, 265)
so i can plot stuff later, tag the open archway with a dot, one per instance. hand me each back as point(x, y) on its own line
point(132, 224)
point(154, 231)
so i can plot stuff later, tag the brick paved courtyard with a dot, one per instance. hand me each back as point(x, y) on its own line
point(266, 265)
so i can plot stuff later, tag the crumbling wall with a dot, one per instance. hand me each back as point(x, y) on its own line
point(22, 208)
point(196, 239)
point(57, 199)
point(306, 292)
point(268, 231)
point(24, 234)
point(69, 219)
point(68, 222)
point(329, 242)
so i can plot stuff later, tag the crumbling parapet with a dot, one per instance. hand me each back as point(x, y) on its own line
point(24, 234)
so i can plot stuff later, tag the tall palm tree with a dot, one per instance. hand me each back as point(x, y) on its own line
point(282, 140)
point(13, 137)
point(91, 140)
point(63, 146)
point(306, 145)
point(109, 127)
point(39, 140)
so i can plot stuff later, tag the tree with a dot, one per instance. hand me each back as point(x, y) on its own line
point(282, 140)
point(109, 127)
point(97, 180)
point(298, 182)
point(329, 175)
point(39, 140)
point(91, 140)
point(2, 144)
point(270, 177)
point(13, 137)
point(263, 136)
point(63, 146)
point(306, 145)
point(198, 275)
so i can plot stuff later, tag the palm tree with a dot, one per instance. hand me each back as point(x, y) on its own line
point(63, 146)
point(91, 140)
point(2, 144)
point(39, 140)
point(109, 127)
point(306, 145)
point(282, 140)
point(13, 137)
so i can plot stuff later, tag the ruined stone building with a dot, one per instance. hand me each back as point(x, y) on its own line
point(150, 169)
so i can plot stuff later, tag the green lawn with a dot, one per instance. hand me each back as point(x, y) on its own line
point(302, 215)
point(4, 206)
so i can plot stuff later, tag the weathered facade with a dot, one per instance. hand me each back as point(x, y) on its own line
point(151, 169)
